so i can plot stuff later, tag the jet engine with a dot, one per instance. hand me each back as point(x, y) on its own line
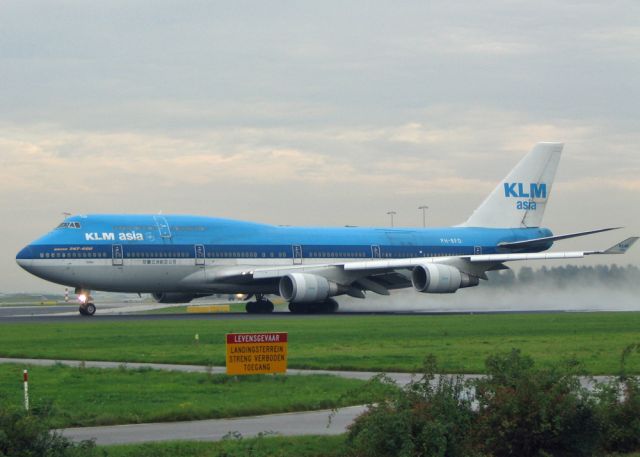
point(306, 288)
point(440, 279)
point(172, 297)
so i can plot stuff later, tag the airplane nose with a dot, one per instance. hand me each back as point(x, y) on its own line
point(25, 257)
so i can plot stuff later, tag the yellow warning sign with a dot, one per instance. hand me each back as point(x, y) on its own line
point(256, 353)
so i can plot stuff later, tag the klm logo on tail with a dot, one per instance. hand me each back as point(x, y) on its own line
point(521, 190)
point(517, 190)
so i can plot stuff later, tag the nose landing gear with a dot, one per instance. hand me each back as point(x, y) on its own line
point(87, 308)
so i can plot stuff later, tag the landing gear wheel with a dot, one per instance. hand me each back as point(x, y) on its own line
point(266, 306)
point(87, 310)
point(298, 308)
point(90, 309)
point(261, 306)
point(329, 306)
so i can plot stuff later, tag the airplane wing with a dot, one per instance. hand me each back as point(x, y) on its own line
point(380, 276)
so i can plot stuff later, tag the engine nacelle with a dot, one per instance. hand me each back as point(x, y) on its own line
point(440, 279)
point(172, 297)
point(306, 288)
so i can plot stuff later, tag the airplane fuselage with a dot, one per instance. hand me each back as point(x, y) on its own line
point(174, 253)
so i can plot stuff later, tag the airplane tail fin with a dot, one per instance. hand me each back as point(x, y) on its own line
point(521, 198)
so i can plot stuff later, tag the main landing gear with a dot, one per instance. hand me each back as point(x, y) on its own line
point(87, 308)
point(328, 306)
point(260, 306)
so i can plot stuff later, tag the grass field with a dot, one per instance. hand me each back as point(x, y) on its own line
point(392, 343)
point(86, 396)
point(303, 446)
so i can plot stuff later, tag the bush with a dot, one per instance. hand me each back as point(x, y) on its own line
point(618, 409)
point(516, 410)
point(428, 417)
point(618, 413)
point(532, 412)
point(25, 434)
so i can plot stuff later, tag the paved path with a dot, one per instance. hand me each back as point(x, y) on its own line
point(290, 424)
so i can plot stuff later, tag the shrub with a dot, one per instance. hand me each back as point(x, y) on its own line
point(618, 413)
point(429, 417)
point(25, 434)
point(531, 412)
point(516, 410)
point(618, 409)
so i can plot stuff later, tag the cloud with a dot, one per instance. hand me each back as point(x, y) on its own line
point(619, 42)
point(445, 149)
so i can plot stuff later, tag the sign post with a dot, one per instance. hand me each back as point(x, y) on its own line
point(25, 378)
point(256, 353)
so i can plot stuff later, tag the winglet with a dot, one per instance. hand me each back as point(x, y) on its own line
point(622, 246)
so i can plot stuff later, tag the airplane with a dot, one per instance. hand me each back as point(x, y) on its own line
point(178, 258)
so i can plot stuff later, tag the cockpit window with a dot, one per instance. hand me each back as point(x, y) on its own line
point(74, 225)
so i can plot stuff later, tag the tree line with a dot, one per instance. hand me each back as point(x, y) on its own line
point(567, 276)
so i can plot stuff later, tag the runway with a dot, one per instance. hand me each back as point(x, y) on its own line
point(126, 312)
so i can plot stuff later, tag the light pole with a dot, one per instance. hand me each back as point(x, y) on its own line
point(391, 213)
point(424, 209)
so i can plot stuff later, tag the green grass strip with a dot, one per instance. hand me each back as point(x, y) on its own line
point(92, 396)
point(266, 446)
point(377, 343)
point(302, 446)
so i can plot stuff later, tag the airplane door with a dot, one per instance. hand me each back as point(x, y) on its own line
point(375, 251)
point(116, 255)
point(477, 250)
point(297, 254)
point(163, 226)
point(200, 254)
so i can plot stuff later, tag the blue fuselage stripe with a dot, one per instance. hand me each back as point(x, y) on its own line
point(148, 236)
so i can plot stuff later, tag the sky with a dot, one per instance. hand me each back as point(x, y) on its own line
point(313, 113)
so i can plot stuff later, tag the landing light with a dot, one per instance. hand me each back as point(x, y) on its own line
point(82, 298)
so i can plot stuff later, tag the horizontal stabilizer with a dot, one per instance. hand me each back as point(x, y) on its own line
point(546, 239)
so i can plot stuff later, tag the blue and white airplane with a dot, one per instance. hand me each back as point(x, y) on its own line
point(179, 258)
